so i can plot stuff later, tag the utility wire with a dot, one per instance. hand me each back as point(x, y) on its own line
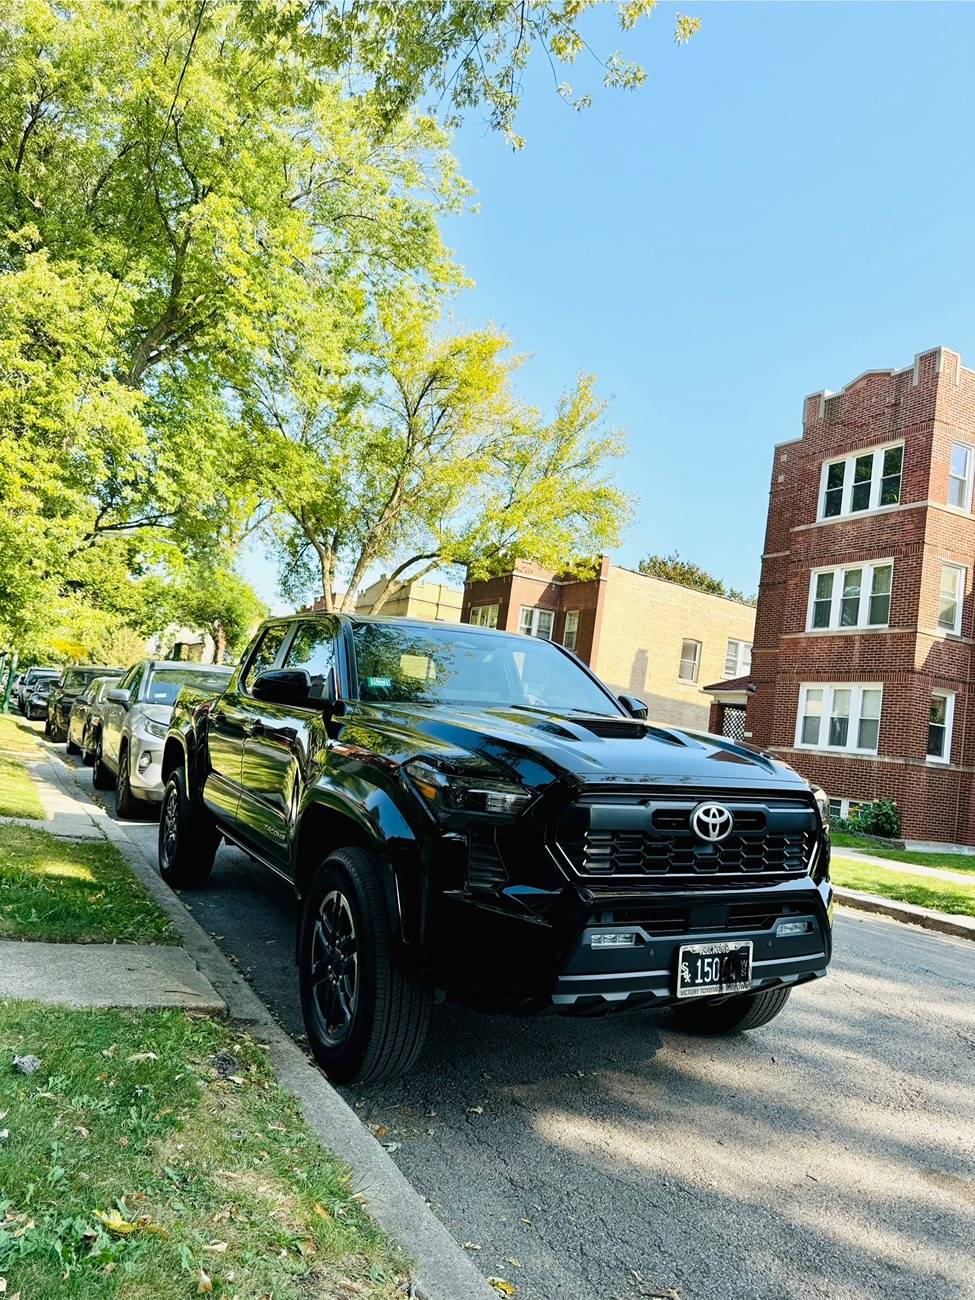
point(136, 211)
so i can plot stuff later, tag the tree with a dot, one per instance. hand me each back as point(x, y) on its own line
point(219, 603)
point(421, 457)
point(687, 574)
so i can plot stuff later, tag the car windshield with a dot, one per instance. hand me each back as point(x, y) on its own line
point(421, 665)
point(166, 683)
point(75, 678)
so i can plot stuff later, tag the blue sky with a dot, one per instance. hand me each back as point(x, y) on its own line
point(787, 202)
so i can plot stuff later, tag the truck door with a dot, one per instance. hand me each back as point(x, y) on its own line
point(230, 720)
point(278, 744)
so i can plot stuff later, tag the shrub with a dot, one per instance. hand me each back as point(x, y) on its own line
point(879, 818)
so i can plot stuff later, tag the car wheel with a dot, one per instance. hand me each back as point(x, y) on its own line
point(188, 838)
point(48, 729)
point(72, 748)
point(366, 1017)
point(101, 776)
point(732, 1015)
point(126, 804)
point(87, 748)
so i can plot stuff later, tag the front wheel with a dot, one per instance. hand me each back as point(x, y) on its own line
point(733, 1015)
point(366, 1017)
point(188, 838)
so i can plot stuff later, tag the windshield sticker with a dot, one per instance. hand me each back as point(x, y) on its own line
point(379, 681)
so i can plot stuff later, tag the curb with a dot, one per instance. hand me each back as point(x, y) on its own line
point(962, 927)
point(441, 1270)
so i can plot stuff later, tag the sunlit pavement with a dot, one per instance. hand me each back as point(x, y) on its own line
point(829, 1154)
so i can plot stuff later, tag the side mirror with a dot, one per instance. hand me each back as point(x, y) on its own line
point(117, 696)
point(634, 706)
point(282, 686)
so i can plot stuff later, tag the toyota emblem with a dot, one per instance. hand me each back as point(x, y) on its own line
point(712, 822)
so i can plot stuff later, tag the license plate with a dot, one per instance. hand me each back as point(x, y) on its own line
point(706, 969)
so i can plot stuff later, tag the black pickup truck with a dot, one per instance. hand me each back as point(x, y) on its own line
point(469, 813)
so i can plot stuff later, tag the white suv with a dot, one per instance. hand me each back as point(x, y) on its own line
point(135, 717)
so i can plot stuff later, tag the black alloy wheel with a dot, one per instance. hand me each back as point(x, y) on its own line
point(334, 968)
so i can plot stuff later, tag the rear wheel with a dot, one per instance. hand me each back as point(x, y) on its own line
point(101, 776)
point(126, 804)
point(366, 1017)
point(72, 748)
point(734, 1015)
point(188, 838)
point(87, 748)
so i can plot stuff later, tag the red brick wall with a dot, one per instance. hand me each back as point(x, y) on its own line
point(531, 585)
point(928, 406)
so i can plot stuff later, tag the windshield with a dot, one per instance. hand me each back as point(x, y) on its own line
point(427, 666)
point(166, 683)
point(77, 677)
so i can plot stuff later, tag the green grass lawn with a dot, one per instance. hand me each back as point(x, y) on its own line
point(16, 736)
point(903, 887)
point(79, 891)
point(952, 861)
point(18, 794)
point(152, 1154)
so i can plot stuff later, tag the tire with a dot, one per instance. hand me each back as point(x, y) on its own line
point(734, 1015)
point(188, 838)
point(87, 748)
point(71, 747)
point(368, 1019)
point(101, 776)
point(126, 804)
point(48, 729)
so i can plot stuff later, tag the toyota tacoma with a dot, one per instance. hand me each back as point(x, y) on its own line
point(472, 814)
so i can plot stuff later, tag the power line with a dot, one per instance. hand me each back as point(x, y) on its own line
point(136, 211)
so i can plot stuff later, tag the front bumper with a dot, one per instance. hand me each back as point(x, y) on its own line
point(594, 979)
point(145, 768)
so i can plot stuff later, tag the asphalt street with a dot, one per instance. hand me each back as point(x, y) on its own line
point(830, 1154)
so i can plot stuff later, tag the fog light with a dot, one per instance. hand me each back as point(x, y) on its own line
point(786, 928)
point(146, 758)
point(617, 939)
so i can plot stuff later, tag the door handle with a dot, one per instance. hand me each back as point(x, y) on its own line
point(219, 717)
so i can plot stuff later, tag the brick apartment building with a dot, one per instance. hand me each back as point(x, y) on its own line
point(641, 635)
point(862, 665)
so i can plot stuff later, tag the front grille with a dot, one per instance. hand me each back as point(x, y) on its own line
point(652, 840)
point(655, 918)
point(485, 869)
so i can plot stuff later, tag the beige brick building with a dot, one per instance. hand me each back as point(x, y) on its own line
point(643, 636)
point(431, 600)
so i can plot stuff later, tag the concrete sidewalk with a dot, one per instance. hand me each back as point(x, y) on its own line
point(105, 975)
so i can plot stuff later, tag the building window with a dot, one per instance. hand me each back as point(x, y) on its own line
point(857, 596)
point(484, 616)
point(570, 633)
point(847, 809)
point(533, 621)
point(844, 716)
point(939, 726)
point(738, 658)
point(690, 661)
point(951, 598)
point(960, 476)
point(866, 481)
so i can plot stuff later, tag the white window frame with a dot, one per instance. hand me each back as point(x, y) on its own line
point(689, 640)
point(741, 664)
point(866, 590)
point(484, 615)
point(961, 573)
point(967, 479)
point(571, 629)
point(829, 689)
point(876, 474)
point(945, 755)
point(536, 616)
point(845, 804)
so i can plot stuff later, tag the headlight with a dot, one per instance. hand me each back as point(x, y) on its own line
point(822, 802)
point(447, 792)
point(157, 729)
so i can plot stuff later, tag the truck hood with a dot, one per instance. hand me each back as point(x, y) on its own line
point(537, 744)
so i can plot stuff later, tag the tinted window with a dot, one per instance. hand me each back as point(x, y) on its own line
point(267, 651)
point(427, 666)
point(76, 677)
point(313, 648)
point(130, 682)
point(166, 683)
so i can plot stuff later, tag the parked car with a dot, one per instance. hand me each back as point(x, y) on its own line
point(79, 724)
point(35, 704)
point(471, 812)
point(127, 752)
point(65, 692)
point(28, 681)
